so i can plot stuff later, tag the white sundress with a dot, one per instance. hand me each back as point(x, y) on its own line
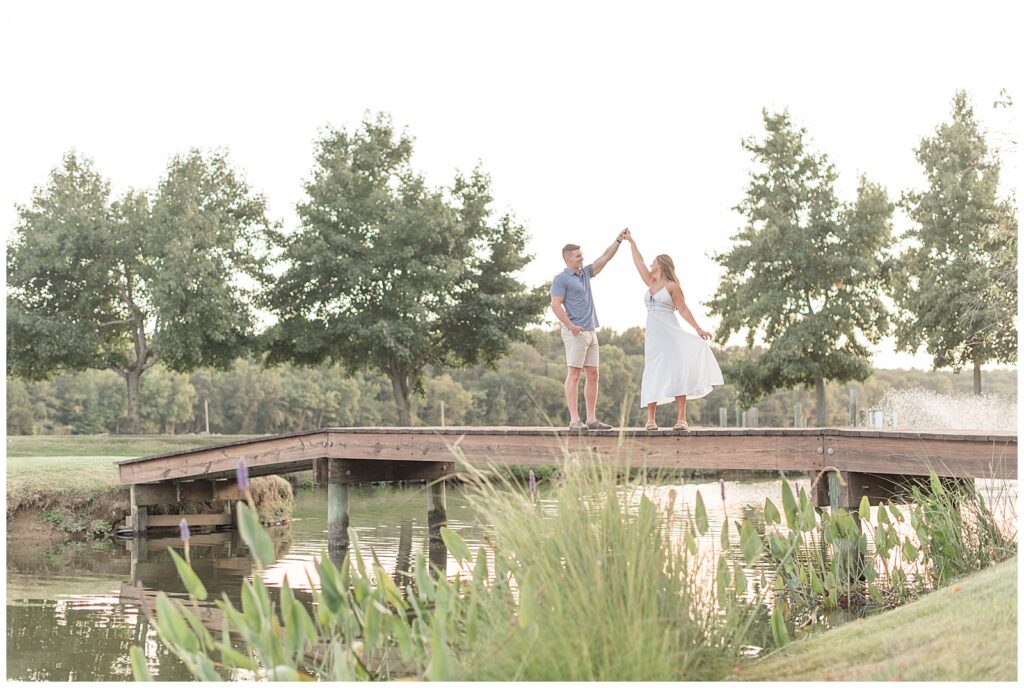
point(676, 362)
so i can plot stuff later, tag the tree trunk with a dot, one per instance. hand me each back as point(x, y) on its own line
point(821, 401)
point(977, 377)
point(402, 388)
point(132, 377)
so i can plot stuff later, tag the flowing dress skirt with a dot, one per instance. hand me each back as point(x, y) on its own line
point(676, 362)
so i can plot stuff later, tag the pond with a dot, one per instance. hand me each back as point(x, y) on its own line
point(73, 612)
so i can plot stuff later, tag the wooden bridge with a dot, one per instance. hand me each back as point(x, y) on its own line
point(878, 464)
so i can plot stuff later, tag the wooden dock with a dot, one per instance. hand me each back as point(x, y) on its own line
point(873, 463)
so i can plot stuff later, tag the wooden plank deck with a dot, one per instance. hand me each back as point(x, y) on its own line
point(887, 452)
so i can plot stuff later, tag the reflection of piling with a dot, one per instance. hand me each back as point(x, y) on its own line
point(403, 572)
point(337, 511)
point(437, 516)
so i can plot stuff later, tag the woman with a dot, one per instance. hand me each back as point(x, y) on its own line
point(677, 365)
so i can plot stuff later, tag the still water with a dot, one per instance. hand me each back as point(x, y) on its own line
point(73, 612)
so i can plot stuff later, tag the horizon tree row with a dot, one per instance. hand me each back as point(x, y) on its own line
point(388, 275)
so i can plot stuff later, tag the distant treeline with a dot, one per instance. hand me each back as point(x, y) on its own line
point(524, 389)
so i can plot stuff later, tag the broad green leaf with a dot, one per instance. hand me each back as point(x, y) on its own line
point(789, 505)
point(750, 543)
point(260, 545)
point(188, 577)
point(771, 513)
point(691, 543)
point(140, 668)
point(455, 544)
point(725, 535)
point(865, 509)
point(701, 515)
point(740, 580)
point(780, 634)
point(909, 551)
point(722, 582)
point(480, 569)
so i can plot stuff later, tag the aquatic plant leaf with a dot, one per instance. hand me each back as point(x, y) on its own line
point(779, 632)
point(441, 663)
point(771, 513)
point(722, 582)
point(455, 544)
point(750, 543)
point(725, 535)
point(391, 592)
point(192, 583)
point(789, 505)
point(140, 669)
point(816, 585)
point(691, 543)
point(865, 509)
point(883, 515)
point(255, 537)
point(909, 551)
point(740, 580)
point(480, 569)
point(700, 514)
point(171, 626)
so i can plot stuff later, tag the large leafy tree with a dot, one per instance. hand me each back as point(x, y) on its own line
point(389, 274)
point(957, 283)
point(805, 272)
point(121, 285)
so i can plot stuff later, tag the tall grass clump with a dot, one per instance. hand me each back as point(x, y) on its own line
point(612, 594)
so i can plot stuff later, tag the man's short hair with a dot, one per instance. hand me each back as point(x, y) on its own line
point(568, 248)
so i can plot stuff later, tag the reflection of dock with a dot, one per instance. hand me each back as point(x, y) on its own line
point(872, 463)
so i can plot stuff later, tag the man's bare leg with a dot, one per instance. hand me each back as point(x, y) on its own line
point(572, 393)
point(590, 392)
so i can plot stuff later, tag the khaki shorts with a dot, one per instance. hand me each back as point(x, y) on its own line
point(581, 350)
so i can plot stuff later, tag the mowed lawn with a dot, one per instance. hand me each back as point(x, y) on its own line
point(83, 463)
point(966, 631)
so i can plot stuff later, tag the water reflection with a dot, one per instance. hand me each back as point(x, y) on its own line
point(74, 612)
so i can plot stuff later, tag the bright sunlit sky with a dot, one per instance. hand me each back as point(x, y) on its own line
point(589, 117)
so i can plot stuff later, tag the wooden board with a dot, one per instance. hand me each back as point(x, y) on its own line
point(763, 449)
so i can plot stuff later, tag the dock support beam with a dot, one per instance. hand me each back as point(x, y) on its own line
point(337, 510)
point(139, 515)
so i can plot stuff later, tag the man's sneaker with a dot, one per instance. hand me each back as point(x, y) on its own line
point(578, 426)
point(598, 425)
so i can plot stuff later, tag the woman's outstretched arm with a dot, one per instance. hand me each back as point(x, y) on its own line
point(638, 260)
point(676, 292)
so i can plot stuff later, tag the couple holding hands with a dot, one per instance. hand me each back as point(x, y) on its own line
point(677, 364)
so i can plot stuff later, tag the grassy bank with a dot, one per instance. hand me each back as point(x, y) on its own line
point(67, 486)
point(963, 632)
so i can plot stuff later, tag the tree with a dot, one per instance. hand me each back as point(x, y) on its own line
point(150, 277)
point(387, 273)
point(805, 272)
point(957, 285)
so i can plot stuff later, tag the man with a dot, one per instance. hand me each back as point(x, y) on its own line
point(572, 302)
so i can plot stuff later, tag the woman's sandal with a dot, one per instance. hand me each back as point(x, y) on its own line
point(651, 427)
point(681, 425)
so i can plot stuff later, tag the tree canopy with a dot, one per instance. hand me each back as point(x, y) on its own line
point(120, 285)
point(805, 272)
point(956, 288)
point(390, 274)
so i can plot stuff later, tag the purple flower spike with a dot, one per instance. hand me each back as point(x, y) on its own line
point(185, 534)
point(242, 475)
point(721, 486)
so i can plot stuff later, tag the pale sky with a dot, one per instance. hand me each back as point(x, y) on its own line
point(589, 117)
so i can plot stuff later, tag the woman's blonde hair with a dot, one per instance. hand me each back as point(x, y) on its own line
point(668, 268)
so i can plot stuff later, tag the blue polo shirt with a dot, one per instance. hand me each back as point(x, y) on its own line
point(579, 299)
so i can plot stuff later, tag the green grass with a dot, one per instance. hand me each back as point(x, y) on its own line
point(47, 469)
point(966, 631)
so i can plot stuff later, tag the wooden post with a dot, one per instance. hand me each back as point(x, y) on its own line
point(337, 510)
point(437, 516)
point(206, 412)
point(139, 513)
point(442, 414)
